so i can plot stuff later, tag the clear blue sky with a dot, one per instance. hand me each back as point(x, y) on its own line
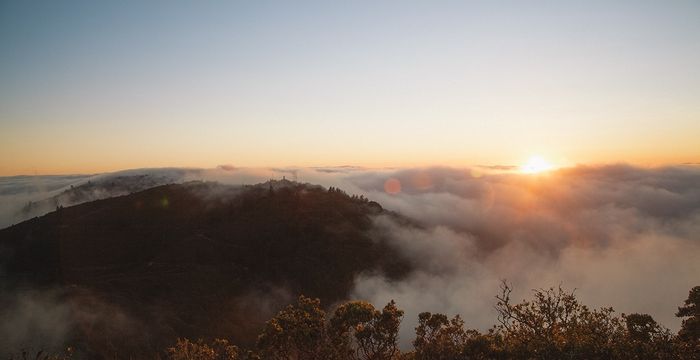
point(94, 85)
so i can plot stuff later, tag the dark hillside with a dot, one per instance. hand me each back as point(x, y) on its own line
point(202, 259)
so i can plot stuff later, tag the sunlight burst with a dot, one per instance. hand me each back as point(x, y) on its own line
point(536, 164)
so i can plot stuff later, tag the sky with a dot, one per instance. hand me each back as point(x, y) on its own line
point(92, 86)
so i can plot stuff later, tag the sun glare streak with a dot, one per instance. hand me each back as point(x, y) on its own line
point(536, 164)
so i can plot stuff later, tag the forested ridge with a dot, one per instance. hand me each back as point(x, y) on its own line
point(194, 259)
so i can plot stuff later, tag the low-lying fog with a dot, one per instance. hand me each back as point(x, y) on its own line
point(623, 236)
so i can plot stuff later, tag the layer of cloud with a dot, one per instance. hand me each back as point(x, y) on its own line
point(45, 319)
point(624, 236)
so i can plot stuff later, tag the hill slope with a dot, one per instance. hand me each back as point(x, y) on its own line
point(200, 259)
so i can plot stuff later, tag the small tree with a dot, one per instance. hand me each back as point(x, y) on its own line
point(690, 329)
point(298, 332)
point(554, 325)
point(645, 339)
point(642, 327)
point(219, 349)
point(689, 334)
point(438, 338)
point(366, 333)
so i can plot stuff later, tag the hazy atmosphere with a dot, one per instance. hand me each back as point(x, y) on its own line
point(178, 170)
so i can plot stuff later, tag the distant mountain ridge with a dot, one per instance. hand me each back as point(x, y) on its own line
point(202, 259)
point(77, 189)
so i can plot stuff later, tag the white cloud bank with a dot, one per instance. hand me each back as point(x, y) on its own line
point(624, 236)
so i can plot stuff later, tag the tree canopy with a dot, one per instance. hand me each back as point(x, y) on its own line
point(553, 324)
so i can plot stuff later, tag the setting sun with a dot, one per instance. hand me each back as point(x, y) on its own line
point(536, 164)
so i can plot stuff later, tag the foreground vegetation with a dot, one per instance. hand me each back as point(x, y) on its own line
point(552, 325)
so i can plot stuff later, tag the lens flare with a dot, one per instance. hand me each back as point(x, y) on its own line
point(392, 186)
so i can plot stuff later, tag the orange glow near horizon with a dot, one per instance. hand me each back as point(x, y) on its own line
point(256, 89)
point(535, 165)
point(60, 163)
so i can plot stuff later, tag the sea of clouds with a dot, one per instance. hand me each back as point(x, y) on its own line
point(623, 236)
